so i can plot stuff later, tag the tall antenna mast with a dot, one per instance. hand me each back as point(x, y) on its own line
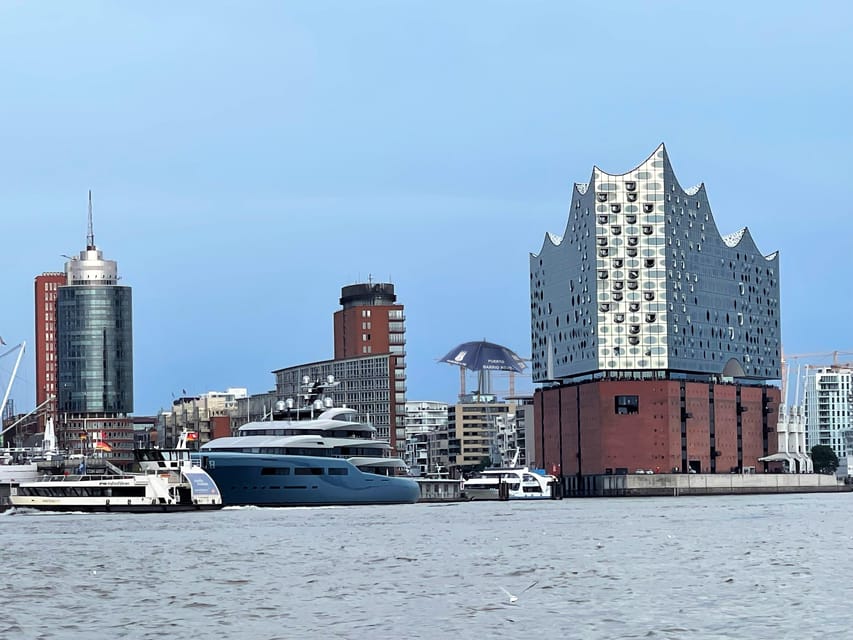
point(90, 238)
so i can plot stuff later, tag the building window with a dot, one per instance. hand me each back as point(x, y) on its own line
point(648, 207)
point(602, 197)
point(630, 185)
point(615, 208)
point(632, 197)
point(627, 404)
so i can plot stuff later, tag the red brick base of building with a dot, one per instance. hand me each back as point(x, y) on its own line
point(666, 426)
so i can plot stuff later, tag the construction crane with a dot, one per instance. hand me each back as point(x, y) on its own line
point(802, 356)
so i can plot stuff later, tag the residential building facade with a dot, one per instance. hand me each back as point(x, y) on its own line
point(365, 384)
point(474, 423)
point(371, 322)
point(424, 419)
point(209, 415)
point(829, 407)
point(47, 357)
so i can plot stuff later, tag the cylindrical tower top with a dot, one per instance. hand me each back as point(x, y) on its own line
point(91, 269)
point(367, 294)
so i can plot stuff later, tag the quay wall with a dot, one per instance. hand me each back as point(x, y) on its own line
point(439, 490)
point(669, 484)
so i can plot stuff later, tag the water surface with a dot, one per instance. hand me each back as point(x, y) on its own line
point(690, 567)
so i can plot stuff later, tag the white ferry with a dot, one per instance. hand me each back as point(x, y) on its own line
point(509, 484)
point(180, 487)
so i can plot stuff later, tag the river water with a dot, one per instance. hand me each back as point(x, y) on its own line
point(691, 567)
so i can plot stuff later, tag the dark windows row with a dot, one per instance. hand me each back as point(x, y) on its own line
point(304, 471)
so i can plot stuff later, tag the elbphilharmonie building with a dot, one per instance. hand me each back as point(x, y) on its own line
point(642, 280)
point(654, 336)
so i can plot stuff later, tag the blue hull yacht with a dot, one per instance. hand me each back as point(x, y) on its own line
point(278, 480)
point(314, 455)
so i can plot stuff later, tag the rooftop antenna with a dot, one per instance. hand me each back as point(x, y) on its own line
point(90, 238)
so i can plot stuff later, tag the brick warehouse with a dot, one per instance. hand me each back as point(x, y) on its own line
point(654, 337)
point(619, 426)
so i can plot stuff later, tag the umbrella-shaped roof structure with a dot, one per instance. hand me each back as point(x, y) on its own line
point(483, 357)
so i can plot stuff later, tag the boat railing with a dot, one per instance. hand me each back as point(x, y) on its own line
point(73, 477)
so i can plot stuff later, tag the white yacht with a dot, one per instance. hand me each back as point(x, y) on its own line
point(510, 483)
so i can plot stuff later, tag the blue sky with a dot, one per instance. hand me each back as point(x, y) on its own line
point(248, 159)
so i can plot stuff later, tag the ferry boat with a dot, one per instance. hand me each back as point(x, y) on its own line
point(510, 483)
point(308, 456)
point(178, 486)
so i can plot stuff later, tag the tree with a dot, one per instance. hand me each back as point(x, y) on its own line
point(824, 459)
point(485, 463)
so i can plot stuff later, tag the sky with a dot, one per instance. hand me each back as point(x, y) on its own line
point(248, 159)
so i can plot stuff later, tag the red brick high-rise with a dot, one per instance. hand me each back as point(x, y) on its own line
point(47, 366)
point(370, 323)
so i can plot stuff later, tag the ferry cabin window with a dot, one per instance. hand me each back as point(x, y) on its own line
point(627, 404)
point(338, 471)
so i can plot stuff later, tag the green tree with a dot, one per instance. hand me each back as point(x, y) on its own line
point(485, 463)
point(824, 459)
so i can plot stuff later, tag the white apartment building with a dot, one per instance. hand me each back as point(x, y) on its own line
point(828, 408)
point(195, 413)
point(424, 418)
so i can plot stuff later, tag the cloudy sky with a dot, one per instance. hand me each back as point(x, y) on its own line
point(248, 159)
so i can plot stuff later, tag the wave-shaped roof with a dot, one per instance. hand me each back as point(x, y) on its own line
point(733, 239)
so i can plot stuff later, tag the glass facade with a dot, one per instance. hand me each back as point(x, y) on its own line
point(95, 347)
point(642, 281)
